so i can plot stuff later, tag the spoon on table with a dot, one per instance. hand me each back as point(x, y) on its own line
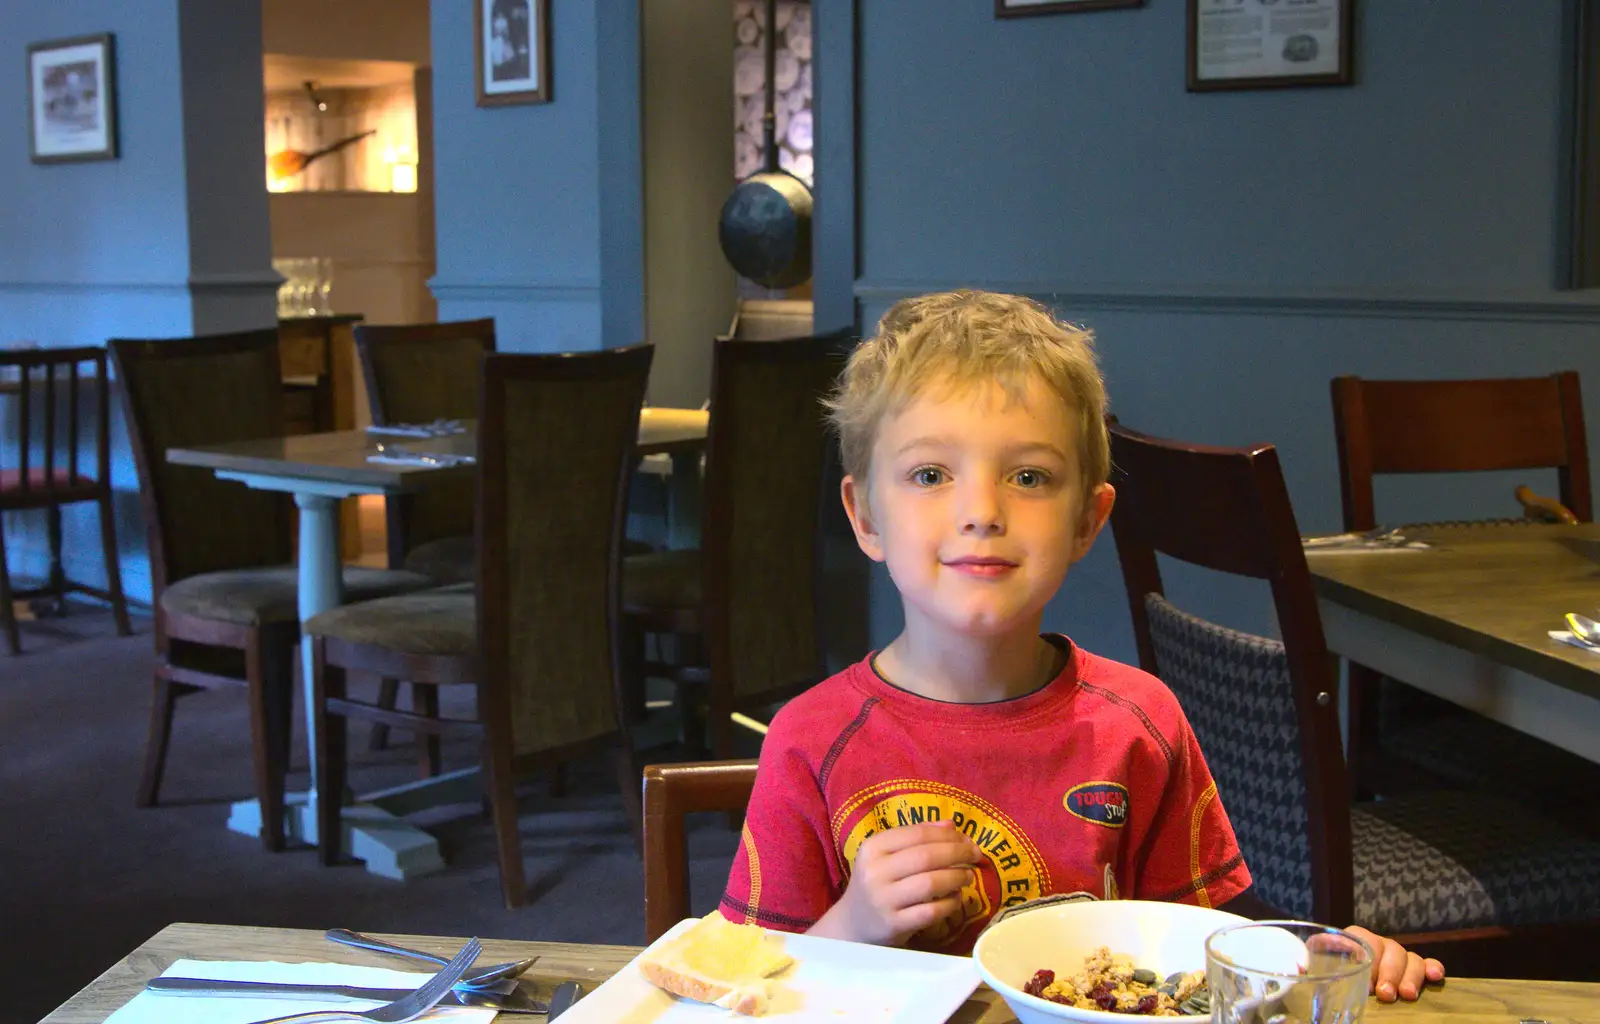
point(1584, 628)
point(477, 977)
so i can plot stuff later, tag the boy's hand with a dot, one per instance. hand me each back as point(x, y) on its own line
point(1397, 973)
point(904, 880)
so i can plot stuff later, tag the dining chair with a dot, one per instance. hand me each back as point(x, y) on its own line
point(222, 578)
point(420, 373)
point(44, 469)
point(537, 636)
point(745, 601)
point(670, 792)
point(1443, 872)
point(1397, 733)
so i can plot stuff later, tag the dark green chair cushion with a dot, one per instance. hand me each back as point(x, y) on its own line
point(664, 580)
point(447, 560)
point(253, 597)
point(435, 622)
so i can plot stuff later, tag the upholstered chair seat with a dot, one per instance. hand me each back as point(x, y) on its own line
point(433, 622)
point(446, 560)
point(661, 580)
point(1463, 860)
point(254, 597)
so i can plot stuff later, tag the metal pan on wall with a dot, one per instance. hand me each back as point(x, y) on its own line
point(765, 227)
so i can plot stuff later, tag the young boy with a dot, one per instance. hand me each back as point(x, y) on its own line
point(973, 764)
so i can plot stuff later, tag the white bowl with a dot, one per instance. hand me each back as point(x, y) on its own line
point(1164, 937)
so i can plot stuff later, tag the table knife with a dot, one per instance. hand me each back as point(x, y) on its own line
point(514, 1001)
point(565, 995)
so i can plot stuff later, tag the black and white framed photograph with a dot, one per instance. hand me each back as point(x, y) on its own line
point(513, 51)
point(1269, 44)
point(1025, 8)
point(72, 99)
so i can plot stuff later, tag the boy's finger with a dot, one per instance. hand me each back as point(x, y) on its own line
point(915, 918)
point(1391, 971)
point(926, 857)
point(1434, 969)
point(928, 887)
point(1411, 983)
point(892, 840)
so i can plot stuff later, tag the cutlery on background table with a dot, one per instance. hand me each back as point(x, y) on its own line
point(408, 1007)
point(512, 1000)
point(477, 977)
point(1584, 628)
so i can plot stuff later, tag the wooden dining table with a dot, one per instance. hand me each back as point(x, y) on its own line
point(1457, 1001)
point(1468, 619)
point(322, 469)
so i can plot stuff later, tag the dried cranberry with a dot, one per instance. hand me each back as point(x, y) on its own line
point(1063, 1000)
point(1147, 1004)
point(1107, 1002)
point(1100, 991)
point(1039, 982)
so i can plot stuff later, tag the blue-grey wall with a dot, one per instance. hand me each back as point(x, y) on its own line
point(537, 205)
point(169, 238)
point(1233, 252)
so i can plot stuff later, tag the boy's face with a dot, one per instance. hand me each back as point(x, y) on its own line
point(977, 506)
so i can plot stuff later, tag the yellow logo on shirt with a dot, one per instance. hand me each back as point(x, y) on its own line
point(1013, 871)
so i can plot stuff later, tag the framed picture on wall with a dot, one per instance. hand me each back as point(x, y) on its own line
point(72, 99)
point(1269, 44)
point(1025, 8)
point(512, 51)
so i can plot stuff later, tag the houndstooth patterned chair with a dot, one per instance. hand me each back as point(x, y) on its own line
point(1443, 872)
point(1421, 864)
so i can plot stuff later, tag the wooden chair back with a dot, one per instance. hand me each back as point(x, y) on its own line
point(189, 392)
point(1228, 510)
point(44, 464)
point(556, 442)
point(768, 452)
point(418, 373)
point(670, 792)
point(1449, 426)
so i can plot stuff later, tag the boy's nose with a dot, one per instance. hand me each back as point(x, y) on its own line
point(980, 513)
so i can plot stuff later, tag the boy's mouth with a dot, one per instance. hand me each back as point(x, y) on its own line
point(982, 567)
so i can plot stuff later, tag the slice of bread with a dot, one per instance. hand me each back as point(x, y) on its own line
point(717, 961)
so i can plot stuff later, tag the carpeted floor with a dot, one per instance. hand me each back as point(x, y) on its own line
point(86, 876)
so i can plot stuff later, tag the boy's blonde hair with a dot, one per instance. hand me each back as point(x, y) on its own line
point(960, 338)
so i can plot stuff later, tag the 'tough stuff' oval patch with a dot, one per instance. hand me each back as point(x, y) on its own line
point(1104, 803)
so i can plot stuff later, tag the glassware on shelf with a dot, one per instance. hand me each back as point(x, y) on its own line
point(307, 286)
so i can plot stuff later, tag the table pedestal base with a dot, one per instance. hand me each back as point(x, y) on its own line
point(374, 830)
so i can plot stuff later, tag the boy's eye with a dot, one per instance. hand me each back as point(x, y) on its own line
point(927, 476)
point(1031, 478)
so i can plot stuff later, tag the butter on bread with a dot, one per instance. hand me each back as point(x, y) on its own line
point(717, 961)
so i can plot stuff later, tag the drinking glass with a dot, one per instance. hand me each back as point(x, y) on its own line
point(324, 273)
point(1287, 972)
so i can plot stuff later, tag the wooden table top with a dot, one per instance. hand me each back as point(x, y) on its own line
point(341, 456)
point(1458, 1001)
point(1496, 591)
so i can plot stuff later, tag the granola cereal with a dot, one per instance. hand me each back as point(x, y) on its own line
point(1109, 981)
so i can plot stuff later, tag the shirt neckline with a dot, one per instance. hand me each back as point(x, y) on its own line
point(1062, 686)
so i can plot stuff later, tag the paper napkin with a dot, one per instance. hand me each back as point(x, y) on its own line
point(192, 1008)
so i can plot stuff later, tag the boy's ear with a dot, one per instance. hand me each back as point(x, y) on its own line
point(1096, 511)
point(859, 509)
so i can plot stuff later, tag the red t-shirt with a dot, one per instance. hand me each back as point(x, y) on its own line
point(1093, 783)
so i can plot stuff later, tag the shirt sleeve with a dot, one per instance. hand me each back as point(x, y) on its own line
point(786, 873)
point(1189, 853)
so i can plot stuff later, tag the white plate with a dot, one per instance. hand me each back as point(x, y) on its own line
point(830, 981)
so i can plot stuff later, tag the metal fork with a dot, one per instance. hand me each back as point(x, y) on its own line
point(406, 1008)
